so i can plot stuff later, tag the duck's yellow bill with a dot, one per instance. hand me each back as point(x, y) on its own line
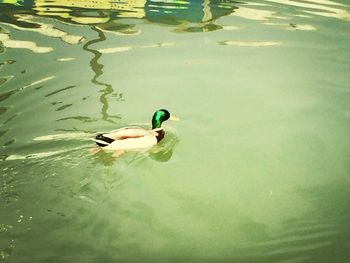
point(173, 118)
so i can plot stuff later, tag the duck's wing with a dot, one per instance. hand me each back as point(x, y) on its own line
point(140, 143)
point(126, 133)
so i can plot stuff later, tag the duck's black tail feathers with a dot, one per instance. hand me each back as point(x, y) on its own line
point(102, 141)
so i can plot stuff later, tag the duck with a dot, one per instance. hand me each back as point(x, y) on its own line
point(134, 138)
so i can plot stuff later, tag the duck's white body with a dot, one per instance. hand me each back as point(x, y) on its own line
point(130, 139)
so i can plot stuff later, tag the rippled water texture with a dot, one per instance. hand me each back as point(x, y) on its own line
point(256, 170)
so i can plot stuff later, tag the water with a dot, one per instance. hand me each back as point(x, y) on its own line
point(257, 170)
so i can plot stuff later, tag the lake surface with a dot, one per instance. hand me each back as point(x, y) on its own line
point(256, 170)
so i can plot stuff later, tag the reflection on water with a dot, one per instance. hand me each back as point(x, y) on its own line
point(10, 43)
point(97, 68)
point(164, 150)
point(107, 14)
point(190, 16)
point(183, 16)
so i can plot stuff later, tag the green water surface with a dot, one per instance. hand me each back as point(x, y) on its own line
point(256, 170)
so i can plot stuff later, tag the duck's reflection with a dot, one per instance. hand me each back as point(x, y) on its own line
point(163, 151)
point(105, 14)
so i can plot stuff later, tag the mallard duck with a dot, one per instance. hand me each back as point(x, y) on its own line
point(134, 138)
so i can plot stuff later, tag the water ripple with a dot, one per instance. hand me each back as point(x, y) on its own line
point(11, 43)
point(79, 118)
point(251, 43)
point(60, 90)
point(45, 29)
point(311, 6)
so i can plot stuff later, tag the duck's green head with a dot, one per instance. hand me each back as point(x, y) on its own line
point(160, 116)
